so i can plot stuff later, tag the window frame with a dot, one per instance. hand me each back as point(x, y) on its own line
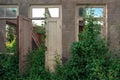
point(10, 6)
point(47, 6)
point(44, 6)
point(104, 18)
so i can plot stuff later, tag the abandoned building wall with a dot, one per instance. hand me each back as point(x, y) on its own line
point(24, 9)
point(2, 35)
point(68, 18)
point(114, 25)
point(68, 21)
point(68, 28)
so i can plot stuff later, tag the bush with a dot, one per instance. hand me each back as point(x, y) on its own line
point(89, 53)
point(8, 67)
point(90, 60)
point(89, 56)
point(11, 47)
point(37, 71)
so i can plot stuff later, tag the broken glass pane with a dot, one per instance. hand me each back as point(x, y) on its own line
point(6, 12)
point(53, 12)
point(38, 12)
point(11, 12)
point(81, 11)
point(96, 12)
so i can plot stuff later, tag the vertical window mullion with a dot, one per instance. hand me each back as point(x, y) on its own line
point(4, 12)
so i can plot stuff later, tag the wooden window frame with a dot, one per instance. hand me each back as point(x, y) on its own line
point(104, 18)
point(44, 6)
point(10, 6)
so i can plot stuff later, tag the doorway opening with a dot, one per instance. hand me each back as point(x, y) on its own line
point(49, 17)
point(11, 45)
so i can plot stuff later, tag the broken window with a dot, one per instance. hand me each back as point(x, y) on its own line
point(40, 13)
point(54, 12)
point(95, 11)
point(98, 12)
point(8, 11)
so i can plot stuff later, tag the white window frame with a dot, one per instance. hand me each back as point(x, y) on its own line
point(45, 6)
point(104, 19)
point(10, 6)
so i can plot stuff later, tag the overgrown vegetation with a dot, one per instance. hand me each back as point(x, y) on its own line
point(90, 60)
point(9, 64)
point(36, 59)
point(10, 39)
point(39, 29)
point(9, 59)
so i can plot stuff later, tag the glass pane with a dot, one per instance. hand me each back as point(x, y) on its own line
point(96, 12)
point(38, 12)
point(8, 12)
point(38, 22)
point(2, 12)
point(54, 12)
point(80, 12)
point(11, 12)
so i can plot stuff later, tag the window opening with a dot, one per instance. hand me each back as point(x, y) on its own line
point(8, 11)
point(11, 45)
point(39, 14)
point(83, 15)
point(99, 13)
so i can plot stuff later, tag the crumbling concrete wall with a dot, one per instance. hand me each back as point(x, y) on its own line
point(2, 35)
point(114, 25)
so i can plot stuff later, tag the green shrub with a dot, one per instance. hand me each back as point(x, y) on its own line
point(113, 72)
point(37, 70)
point(12, 47)
point(89, 59)
point(36, 60)
point(89, 53)
point(8, 66)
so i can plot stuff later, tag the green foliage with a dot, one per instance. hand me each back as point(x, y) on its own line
point(39, 29)
point(90, 58)
point(12, 47)
point(10, 33)
point(9, 59)
point(114, 69)
point(10, 39)
point(8, 66)
point(36, 60)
